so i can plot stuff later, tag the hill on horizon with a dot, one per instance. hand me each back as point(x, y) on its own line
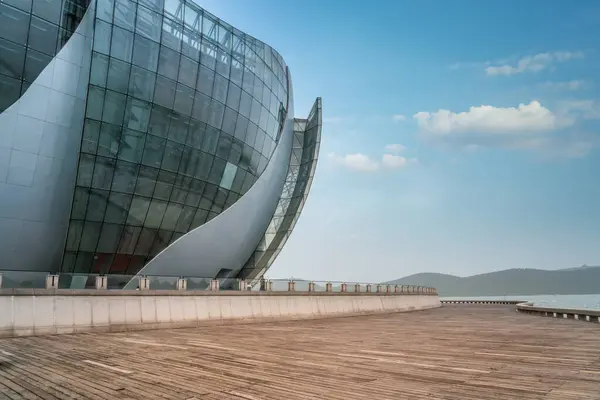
point(526, 281)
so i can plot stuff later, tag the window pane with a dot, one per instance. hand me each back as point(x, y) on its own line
point(184, 99)
point(110, 236)
point(145, 53)
point(14, 24)
point(172, 34)
point(74, 236)
point(89, 239)
point(118, 208)
point(185, 219)
point(155, 213)
point(80, 201)
point(164, 185)
point(145, 241)
point(168, 63)
point(118, 75)
point(141, 84)
point(178, 128)
point(138, 211)
point(172, 156)
point(211, 139)
point(124, 177)
point(114, 108)
point(85, 170)
point(105, 10)
point(199, 218)
point(132, 146)
point(42, 36)
point(188, 70)
point(122, 44)
point(125, 14)
point(206, 79)
point(96, 205)
point(110, 136)
point(129, 238)
point(159, 121)
point(153, 152)
point(220, 88)
point(99, 68)
point(149, 23)
point(216, 173)
point(95, 102)
point(137, 114)
point(228, 176)
point(165, 92)
point(103, 173)
point(13, 59)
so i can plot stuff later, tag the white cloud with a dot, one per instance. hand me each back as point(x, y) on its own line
point(533, 63)
point(399, 117)
point(527, 126)
point(355, 162)
point(564, 86)
point(391, 161)
point(532, 117)
point(395, 148)
point(362, 163)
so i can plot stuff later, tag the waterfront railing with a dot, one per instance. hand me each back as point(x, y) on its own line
point(86, 281)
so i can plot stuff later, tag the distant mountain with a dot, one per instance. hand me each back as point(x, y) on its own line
point(580, 280)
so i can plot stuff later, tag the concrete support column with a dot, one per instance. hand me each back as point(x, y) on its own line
point(181, 284)
point(311, 286)
point(52, 282)
point(101, 282)
point(369, 288)
point(144, 283)
point(357, 288)
point(344, 287)
point(214, 285)
point(243, 285)
point(328, 287)
point(291, 286)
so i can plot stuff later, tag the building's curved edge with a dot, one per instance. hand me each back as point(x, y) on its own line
point(222, 245)
point(302, 166)
point(42, 133)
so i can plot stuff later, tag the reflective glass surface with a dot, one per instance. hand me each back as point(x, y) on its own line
point(301, 170)
point(31, 33)
point(182, 117)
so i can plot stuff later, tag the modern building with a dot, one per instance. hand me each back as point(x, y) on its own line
point(145, 137)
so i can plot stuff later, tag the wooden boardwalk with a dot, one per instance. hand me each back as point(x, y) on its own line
point(457, 352)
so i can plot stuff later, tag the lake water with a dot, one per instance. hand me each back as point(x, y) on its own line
point(577, 301)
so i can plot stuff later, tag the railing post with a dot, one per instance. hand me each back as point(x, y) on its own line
point(388, 289)
point(181, 284)
point(311, 286)
point(268, 285)
point(344, 287)
point(328, 287)
point(144, 283)
point(291, 286)
point(52, 282)
point(101, 282)
point(396, 289)
point(379, 289)
point(369, 288)
point(357, 288)
point(243, 285)
point(0, 280)
point(214, 285)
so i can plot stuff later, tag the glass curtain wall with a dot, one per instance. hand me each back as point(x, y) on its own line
point(182, 116)
point(31, 33)
point(303, 163)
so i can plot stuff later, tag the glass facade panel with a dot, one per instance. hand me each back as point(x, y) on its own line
point(182, 116)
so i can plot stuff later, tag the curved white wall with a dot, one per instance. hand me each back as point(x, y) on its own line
point(40, 137)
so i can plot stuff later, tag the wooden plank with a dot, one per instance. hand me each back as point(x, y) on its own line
point(462, 352)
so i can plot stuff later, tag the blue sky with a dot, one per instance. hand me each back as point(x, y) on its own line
point(459, 136)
